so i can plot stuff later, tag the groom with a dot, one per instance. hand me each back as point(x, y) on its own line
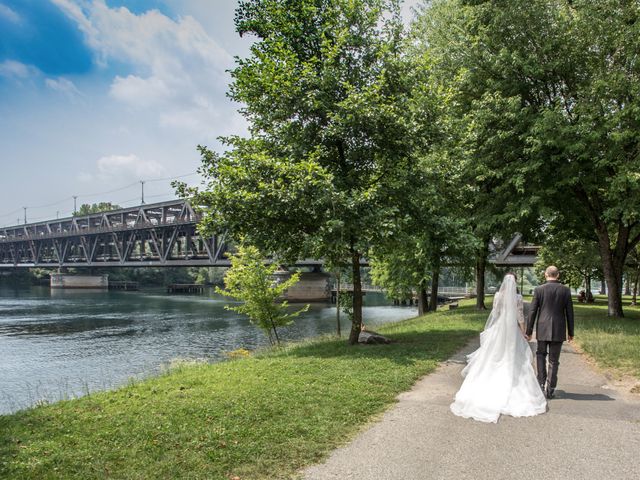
point(552, 307)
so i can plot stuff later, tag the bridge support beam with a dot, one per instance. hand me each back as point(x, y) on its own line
point(59, 280)
point(312, 287)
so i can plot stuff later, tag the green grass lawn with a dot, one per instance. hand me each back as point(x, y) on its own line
point(612, 343)
point(259, 417)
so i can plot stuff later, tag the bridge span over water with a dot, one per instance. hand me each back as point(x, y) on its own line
point(149, 235)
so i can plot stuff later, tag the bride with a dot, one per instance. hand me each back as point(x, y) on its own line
point(499, 376)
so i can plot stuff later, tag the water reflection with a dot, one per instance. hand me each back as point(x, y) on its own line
point(60, 343)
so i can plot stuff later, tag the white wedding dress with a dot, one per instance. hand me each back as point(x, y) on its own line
point(499, 376)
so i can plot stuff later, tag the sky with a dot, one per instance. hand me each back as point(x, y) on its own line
point(98, 95)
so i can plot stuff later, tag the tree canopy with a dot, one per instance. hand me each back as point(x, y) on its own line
point(324, 91)
point(87, 208)
point(549, 91)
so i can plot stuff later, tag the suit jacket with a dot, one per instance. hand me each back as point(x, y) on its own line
point(552, 307)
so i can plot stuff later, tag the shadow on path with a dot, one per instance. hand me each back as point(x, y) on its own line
point(561, 394)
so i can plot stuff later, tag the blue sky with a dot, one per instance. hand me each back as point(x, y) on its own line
point(96, 95)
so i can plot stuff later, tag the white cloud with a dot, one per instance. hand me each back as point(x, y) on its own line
point(13, 69)
point(141, 92)
point(64, 86)
point(177, 66)
point(10, 15)
point(128, 166)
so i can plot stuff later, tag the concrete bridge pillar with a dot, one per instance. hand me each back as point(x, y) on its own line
point(312, 286)
point(59, 280)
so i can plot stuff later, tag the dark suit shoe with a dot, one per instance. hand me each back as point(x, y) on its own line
point(550, 393)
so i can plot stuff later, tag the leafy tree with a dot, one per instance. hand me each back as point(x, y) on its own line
point(577, 259)
point(430, 234)
point(251, 281)
point(551, 88)
point(87, 209)
point(324, 91)
point(490, 201)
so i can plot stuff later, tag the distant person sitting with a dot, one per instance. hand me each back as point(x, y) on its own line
point(582, 297)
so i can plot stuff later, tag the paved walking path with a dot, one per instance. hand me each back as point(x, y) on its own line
point(591, 431)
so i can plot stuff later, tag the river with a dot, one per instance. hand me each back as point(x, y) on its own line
point(57, 344)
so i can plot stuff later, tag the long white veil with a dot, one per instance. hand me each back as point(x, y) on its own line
point(499, 374)
point(504, 302)
point(501, 326)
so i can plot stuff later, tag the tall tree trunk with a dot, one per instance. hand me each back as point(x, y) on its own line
point(275, 332)
point(612, 266)
point(603, 287)
point(338, 303)
point(423, 298)
point(587, 284)
point(627, 285)
point(635, 288)
point(435, 277)
point(612, 258)
point(356, 325)
point(481, 264)
point(481, 267)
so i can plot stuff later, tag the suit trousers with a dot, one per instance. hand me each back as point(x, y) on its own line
point(553, 350)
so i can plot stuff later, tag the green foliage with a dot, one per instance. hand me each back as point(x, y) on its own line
point(432, 229)
point(577, 258)
point(545, 100)
point(325, 91)
point(87, 209)
point(398, 274)
point(345, 303)
point(251, 281)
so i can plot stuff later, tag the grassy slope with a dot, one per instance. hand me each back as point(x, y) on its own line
point(612, 343)
point(260, 417)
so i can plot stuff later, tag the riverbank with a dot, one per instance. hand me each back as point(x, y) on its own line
point(61, 344)
point(259, 417)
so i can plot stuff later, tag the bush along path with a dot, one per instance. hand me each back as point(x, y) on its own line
point(265, 416)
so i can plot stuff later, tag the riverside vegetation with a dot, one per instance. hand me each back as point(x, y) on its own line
point(259, 417)
point(264, 416)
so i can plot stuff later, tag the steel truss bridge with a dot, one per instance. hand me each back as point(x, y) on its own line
point(150, 235)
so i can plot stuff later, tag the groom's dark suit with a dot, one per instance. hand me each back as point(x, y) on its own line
point(552, 307)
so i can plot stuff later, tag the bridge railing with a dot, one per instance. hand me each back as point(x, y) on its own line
point(455, 290)
point(441, 290)
point(96, 230)
point(365, 287)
